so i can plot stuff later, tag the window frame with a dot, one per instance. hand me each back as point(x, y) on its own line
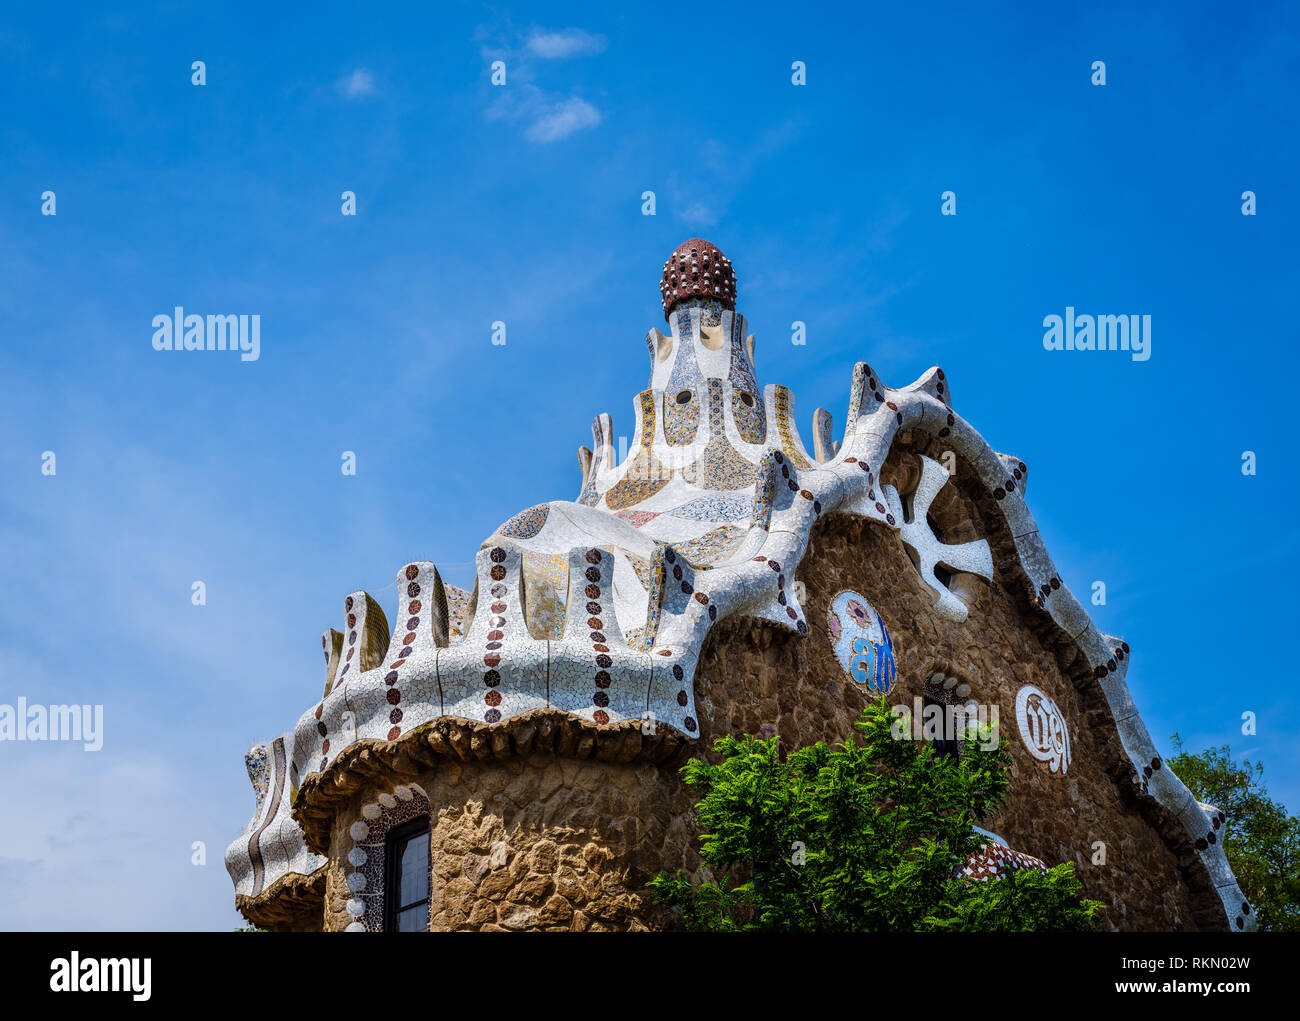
point(396, 841)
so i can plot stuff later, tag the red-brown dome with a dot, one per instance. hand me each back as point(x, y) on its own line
point(697, 269)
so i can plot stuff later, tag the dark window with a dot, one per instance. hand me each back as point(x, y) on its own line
point(947, 744)
point(406, 878)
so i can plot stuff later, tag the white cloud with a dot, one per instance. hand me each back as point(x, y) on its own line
point(546, 115)
point(359, 83)
point(562, 119)
point(700, 213)
point(568, 42)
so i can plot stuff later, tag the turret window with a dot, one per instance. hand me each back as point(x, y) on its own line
point(406, 875)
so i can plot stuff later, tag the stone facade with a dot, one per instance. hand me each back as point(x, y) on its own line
point(536, 842)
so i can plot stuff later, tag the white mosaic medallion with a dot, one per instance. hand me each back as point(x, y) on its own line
point(1042, 728)
point(861, 641)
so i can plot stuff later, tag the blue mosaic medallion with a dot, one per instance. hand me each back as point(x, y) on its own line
point(861, 641)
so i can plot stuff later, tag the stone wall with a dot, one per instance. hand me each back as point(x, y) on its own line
point(801, 690)
point(581, 838)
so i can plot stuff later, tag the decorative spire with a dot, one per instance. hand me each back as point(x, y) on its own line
point(697, 269)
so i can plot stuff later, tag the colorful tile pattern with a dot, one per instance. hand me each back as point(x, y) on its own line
point(681, 417)
point(996, 861)
point(861, 641)
point(733, 507)
point(526, 524)
point(713, 546)
point(457, 610)
point(636, 518)
point(741, 370)
point(720, 466)
point(546, 587)
point(785, 428)
point(747, 412)
point(647, 474)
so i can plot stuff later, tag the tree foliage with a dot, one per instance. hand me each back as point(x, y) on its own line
point(864, 836)
point(1260, 840)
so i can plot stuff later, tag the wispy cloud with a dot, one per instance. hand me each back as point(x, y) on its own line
point(546, 115)
point(566, 43)
point(700, 213)
point(562, 119)
point(358, 83)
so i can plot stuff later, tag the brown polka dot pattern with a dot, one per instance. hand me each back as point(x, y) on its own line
point(697, 269)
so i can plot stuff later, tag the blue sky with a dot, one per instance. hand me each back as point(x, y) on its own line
point(523, 204)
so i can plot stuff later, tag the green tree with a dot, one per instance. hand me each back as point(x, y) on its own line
point(1260, 840)
point(864, 836)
